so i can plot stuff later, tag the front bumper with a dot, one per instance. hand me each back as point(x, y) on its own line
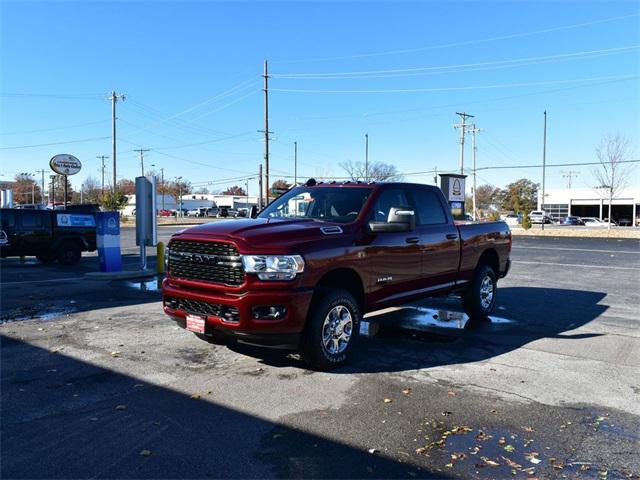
point(242, 324)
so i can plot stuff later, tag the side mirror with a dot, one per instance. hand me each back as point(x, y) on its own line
point(400, 219)
point(253, 213)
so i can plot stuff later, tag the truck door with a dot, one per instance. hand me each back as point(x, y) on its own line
point(439, 239)
point(8, 222)
point(392, 258)
point(34, 231)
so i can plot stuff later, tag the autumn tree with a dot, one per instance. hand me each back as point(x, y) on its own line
point(376, 172)
point(613, 173)
point(520, 196)
point(235, 190)
point(126, 186)
point(486, 196)
point(26, 189)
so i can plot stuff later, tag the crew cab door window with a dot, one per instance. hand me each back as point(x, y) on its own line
point(394, 197)
point(428, 208)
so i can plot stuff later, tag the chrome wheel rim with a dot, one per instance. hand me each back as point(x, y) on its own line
point(337, 329)
point(486, 292)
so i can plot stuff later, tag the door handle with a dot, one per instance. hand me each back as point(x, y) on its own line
point(452, 236)
point(412, 240)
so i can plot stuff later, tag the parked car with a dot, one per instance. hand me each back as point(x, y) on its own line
point(540, 217)
point(303, 277)
point(165, 213)
point(571, 220)
point(197, 212)
point(613, 222)
point(512, 219)
point(212, 212)
point(48, 234)
point(625, 221)
point(223, 212)
point(593, 222)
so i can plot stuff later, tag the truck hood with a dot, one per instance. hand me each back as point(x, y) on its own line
point(267, 234)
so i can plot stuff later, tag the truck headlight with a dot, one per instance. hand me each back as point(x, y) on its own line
point(273, 267)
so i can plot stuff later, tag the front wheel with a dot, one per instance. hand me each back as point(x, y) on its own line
point(69, 253)
point(479, 299)
point(331, 330)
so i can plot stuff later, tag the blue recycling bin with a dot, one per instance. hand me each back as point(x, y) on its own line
point(108, 241)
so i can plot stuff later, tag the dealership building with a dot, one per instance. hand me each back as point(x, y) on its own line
point(591, 202)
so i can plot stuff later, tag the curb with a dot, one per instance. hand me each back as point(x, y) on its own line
point(122, 275)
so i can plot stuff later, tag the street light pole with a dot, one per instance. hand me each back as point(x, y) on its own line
point(544, 165)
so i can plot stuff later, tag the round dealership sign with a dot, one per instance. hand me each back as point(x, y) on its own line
point(65, 164)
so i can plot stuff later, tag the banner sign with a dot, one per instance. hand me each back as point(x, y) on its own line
point(75, 220)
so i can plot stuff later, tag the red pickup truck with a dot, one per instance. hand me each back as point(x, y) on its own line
point(305, 270)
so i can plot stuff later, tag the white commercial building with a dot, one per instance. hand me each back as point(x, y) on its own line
point(194, 200)
point(591, 202)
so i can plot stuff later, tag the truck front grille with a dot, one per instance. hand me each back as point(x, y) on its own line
point(213, 262)
point(206, 309)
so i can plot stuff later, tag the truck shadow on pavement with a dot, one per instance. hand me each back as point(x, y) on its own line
point(436, 332)
point(65, 418)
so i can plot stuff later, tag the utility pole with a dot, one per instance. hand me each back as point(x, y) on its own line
point(544, 164)
point(102, 157)
point(463, 127)
point(41, 172)
point(260, 186)
point(141, 152)
point(114, 99)
point(568, 175)
point(52, 191)
point(474, 130)
point(162, 185)
point(295, 164)
point(247, 192)
point(179, 182)
point(435, 175)
point(366, 157)
point(266, 127)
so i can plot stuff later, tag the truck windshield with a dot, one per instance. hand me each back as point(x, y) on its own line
point(333, 204)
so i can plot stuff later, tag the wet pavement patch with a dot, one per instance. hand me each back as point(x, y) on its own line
point(145, 285)
point(38, 311)
point(489, 452)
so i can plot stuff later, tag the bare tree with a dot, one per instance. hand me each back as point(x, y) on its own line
point(613, 173)
point(378, 171)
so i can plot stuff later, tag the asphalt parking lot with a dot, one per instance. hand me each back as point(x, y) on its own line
point(96, 382)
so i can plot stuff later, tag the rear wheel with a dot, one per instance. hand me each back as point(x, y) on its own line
point(479, 299)
point(331, 330)
point(69, 253)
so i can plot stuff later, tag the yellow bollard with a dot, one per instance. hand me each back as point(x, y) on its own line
point(160, 258)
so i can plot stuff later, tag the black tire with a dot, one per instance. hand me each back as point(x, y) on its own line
point(313, 346)
point(69, 253)
point(476, 300)
point(214, 339)
point(45, 258)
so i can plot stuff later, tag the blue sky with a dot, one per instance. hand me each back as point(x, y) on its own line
point(191, 74)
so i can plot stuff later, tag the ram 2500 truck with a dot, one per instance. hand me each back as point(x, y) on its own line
point(314, 261)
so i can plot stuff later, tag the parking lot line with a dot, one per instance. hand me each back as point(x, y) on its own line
point(577, 249)
point(610, 267)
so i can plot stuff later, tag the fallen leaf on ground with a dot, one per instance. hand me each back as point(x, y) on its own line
point(529, 429)
point(195, 396)
point(451, 393)
point(501, 441)
point(387, 400)
point(373, 450)
point(509, 448)
point(449, 465)
point(407, 391)
point(145, 453)
point(511, 463)
point(446, 413)
point(121, 407)
point(115, 353)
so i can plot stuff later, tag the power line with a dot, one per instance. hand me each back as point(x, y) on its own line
point(465, 42)
point(460, 67)
point(83, 140)
point(52, 96)
point(449, 89)
point(77, 125)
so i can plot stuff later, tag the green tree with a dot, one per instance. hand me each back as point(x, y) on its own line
point(526, 221)
point(26, 189)
point(520, 196)
point(114, 201)
point(235, 190)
